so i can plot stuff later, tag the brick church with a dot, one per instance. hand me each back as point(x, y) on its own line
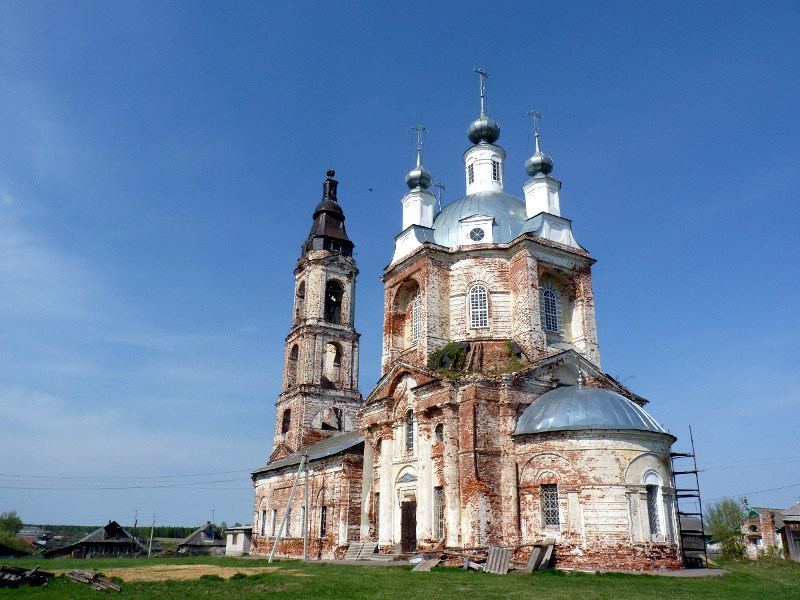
point(493, 423)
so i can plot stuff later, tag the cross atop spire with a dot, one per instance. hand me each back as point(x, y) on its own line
point(440, 186)
point(420, 130)
point(482, 75)
point(536, 116)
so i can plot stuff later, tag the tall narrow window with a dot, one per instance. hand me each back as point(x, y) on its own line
point(495, 170)
point(377, 515)
point(331, 364)
point(470, 173)
point(410, 431)
point(302, 521)
point(550, 309)
point(292, 366)
point(263, 521)
point(323, 521)
point(286, 423)
point(274, 524)
point(300, 301)
point(288, 531)
point(652, 510)
point(416, 317)
point(438, 512)
point(333, 302)
point(478, 307)
point(549, 500)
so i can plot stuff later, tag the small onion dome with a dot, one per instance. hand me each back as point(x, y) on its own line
point(539, 162)
point(483, 130)
point(420, 177)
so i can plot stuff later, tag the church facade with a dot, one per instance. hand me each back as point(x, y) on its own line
point(493, 423)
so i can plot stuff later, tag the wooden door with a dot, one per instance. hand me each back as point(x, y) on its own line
point(408, 526)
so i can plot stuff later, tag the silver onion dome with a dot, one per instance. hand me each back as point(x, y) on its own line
point(420, 177)
point(579, 407)
point(483, 130)
point(539, 162)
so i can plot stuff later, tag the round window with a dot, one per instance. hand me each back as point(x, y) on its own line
point(476, 235)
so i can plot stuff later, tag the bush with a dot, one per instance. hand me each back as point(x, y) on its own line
point(450, 357)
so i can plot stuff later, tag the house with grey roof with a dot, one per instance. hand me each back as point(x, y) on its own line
point(204, 541)
point(110, 540)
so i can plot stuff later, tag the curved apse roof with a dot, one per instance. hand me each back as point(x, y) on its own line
point(575, 407)
point(508, 212)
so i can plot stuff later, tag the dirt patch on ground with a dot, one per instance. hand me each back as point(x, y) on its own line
point(182, 572)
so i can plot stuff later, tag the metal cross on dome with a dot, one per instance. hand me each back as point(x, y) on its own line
point(440, 186)
point(535, 115)
point(420, 130)
point(481, 76)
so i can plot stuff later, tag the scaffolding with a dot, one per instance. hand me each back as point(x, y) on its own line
point(693, 542)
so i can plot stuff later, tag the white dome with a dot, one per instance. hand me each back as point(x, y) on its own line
point(508, 212)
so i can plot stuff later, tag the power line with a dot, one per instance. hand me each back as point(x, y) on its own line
point(107, 477)
point(775, 489)
point(176, 485)
point(746, 460)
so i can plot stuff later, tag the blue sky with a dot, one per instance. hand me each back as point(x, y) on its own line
point(159, 164)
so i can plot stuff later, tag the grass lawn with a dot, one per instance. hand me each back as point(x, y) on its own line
point(292, 579)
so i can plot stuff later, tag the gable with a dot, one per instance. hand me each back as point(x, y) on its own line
point(563, 368)
point(390, 385)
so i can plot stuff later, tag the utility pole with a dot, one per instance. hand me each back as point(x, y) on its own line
point(212, 514)
point(135, 522)
point(152, 528)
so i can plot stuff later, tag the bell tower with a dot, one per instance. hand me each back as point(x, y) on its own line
point(320, 394)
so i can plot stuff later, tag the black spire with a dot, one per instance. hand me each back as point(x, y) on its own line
point(327, 231)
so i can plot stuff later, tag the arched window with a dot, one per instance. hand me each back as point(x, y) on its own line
point(287, 420)
point(439, 432)
point(292, 366)
point(410, 431)
point(332, 363)
point(416, 317)
point(300, 301)
point(549, 300)
point(654, 502)
point(478, 307)
point(407, 306)
point(333, 302)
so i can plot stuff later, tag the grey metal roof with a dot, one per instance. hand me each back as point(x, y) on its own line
point(508, 212)
point(790, 514)
point(328, 447)
point(112, 532)
point(207, 535)
point(575, 407)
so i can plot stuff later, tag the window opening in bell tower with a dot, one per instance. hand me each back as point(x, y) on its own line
point(333, 302)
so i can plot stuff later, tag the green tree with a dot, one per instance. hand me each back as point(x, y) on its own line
point(10, 523)
point(724, 521)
